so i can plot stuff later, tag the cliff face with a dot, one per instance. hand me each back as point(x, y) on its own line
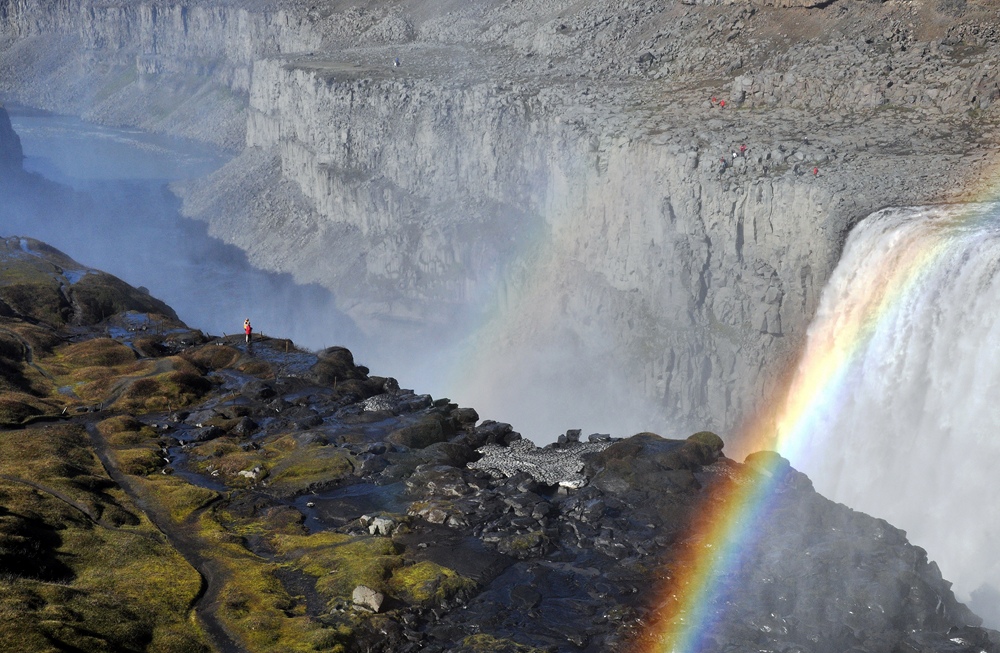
point(556, 173)
point(11, 153)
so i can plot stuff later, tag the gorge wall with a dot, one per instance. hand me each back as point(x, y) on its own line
point(547, 189)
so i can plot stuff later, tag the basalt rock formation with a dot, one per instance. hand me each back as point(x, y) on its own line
point(573, 170)
point(11, 153)
point(167, 490)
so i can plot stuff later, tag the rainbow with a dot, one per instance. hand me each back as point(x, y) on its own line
point(725, 528)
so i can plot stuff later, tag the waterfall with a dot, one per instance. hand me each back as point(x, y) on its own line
point(905, 424)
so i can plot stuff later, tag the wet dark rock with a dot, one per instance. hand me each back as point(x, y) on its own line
point(336, 365)
point(207, 433)
point(245, 427)
point(429, 430)
point(438, 480)
point(464, 418)
point(308, 422)
point(571, 436)
point(257, 390)
point(641, 463)
point(491, 432)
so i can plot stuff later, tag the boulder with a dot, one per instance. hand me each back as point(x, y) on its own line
point(366, 598)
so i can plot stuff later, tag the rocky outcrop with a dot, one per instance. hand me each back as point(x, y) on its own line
point(563, 175)
point(11, 153)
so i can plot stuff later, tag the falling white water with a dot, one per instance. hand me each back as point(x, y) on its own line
point(912, 431)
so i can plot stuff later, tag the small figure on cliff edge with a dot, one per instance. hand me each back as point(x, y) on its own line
point(247, 329)
point(815, 172)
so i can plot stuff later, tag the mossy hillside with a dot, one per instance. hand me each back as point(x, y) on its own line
point(340, 562)
point(90, 368)
point(15, 374)
point(178, 386)
point(105, 370)
point(89, 587)
point(301, 466)
point(177, 497)
point(58, 456)
point(34, 283)
point(137, 450)
point(32, 289)
point(255, 606)
point(289, 465)
point(214, 357)
point(98, 296)
point(119, 586)
point(17, 408)
point(225, 458)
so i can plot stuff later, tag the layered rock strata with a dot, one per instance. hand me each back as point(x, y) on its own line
point(562, 173)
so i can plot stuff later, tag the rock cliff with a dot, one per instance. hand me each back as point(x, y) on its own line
point(564, 180)
point(11, 153)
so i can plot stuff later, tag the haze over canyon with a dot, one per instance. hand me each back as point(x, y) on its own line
point(616, 216)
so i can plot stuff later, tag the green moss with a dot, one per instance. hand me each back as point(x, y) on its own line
point(483, 643)
point(256, 607)
point(139, 462)
point(260, 369)
point(97, 576)
point(17, 408)
point(426, 583)
point(179, 498)
point(39, 300)
point(181, 386)
point(316, 464)
point(341, 563)
point(102, 352)
point(214, 357)
point(708, 438)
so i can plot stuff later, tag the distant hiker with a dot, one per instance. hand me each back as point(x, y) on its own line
point(714, 101)
point(743, 150)
point(815, 172)
point(247, 329)
point(395, 62)
point(722, 104)
point(734, 156)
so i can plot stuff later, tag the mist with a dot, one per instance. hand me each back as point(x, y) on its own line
point(909, 432)
point(103, 196)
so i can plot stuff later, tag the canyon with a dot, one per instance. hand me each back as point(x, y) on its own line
point(546, 189)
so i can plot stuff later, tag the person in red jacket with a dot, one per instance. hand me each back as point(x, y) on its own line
point(247, 329)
